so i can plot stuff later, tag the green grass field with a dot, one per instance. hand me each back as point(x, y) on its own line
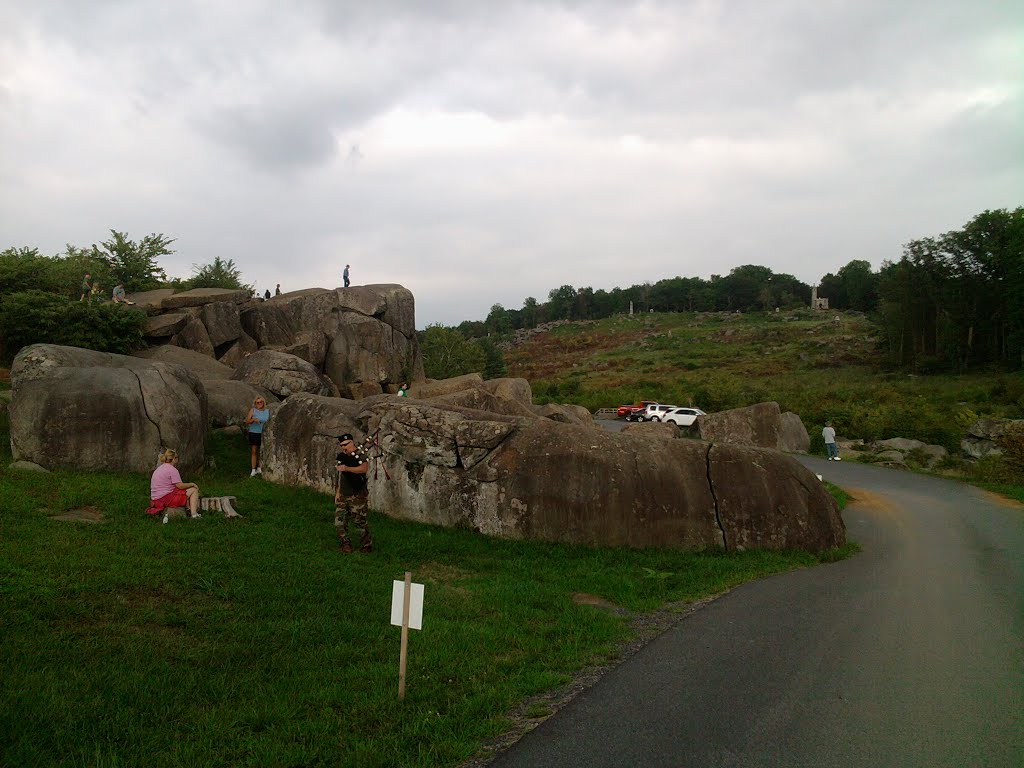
point(255, 642)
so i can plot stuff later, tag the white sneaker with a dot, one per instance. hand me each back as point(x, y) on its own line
point(253, 473)
point(259, 470)
point(838, 459)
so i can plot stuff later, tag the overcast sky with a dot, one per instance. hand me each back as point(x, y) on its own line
point(480, 152)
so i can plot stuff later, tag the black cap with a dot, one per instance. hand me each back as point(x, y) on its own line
point(344, 437)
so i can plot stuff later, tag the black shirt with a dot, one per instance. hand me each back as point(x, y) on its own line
point(351, 484)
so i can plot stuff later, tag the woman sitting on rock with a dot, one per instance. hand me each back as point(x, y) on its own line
point(167, 490)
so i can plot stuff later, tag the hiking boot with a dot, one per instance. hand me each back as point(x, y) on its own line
point(346, 547)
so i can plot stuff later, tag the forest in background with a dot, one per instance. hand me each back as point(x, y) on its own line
point(952, 302)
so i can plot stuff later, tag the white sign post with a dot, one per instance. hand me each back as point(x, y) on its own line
point(406, 611)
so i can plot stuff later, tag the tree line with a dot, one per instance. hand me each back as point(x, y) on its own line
point(39, 301)
point(951, 302)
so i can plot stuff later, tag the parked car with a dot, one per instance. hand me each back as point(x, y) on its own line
point(628, 412)
point(683, 417)
point(656, 412)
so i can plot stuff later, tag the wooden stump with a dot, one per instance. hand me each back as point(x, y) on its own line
point(223, 504)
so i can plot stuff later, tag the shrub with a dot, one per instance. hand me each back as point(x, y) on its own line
point(35, 317)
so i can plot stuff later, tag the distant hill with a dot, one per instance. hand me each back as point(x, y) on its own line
point(819, 364)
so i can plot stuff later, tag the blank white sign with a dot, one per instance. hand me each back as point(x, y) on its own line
point(415, 604)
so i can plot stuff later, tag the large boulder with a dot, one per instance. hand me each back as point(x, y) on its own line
point(361, 335)
point(198, 297)
point(665, 430)
point(269, 323)
point(150, 302)
point(168, 324)
point(761, 426)
point(520, 477)
point(283, 374)
point(299, 443)
point(987, 437)
point(234, 354)
point(222, 322)
point(566, 414)
point(425, 390)
point(229, 401)
point(364, 349)
point(98, 411)
point(195, 337)
point(511, 389)
point(482, 400)
point(204, 367)
point(768, 500)
point(311, 346)
point(793, 437)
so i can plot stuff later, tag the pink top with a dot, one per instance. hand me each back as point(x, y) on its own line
point(163, 480)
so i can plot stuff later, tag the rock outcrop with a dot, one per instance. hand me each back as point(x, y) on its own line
point(761, 426)
point(91, 410)
point(283, 374)
point(508, 396)
point(363, 338)
point(521, 477)
point(201, 365)
point(987, 437)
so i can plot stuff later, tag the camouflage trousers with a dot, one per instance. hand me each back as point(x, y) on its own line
point(352, 509)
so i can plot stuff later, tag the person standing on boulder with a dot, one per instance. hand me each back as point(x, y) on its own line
point(344, 276)
point(829, 434)
point(255, 421)
point(351, 495)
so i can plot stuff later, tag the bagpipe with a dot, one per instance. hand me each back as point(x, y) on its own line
point(372, 452)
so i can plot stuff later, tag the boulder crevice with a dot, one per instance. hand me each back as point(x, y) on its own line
point(714, 498)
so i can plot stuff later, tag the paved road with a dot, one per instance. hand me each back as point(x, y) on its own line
point(911, 653)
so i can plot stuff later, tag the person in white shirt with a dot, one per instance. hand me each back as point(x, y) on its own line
point(829, 434)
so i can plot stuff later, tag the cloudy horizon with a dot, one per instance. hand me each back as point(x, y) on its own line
point(482, 153)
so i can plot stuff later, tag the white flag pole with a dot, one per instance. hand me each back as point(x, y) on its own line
point(405, 635)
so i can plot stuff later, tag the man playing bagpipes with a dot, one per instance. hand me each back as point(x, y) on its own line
point(350, 494)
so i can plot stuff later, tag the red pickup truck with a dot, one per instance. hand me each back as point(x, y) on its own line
point(627, 412)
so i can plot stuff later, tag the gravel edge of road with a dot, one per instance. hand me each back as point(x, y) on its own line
point(644, 627)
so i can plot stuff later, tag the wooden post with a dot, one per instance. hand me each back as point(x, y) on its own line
point(405, 635)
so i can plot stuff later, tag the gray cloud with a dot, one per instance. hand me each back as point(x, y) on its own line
point(506, 149)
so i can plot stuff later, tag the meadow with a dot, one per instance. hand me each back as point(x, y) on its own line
point(216, 642)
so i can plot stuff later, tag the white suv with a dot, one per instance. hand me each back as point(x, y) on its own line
point(656, 412)
point(683, 417)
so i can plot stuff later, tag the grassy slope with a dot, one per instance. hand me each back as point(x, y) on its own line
point(254, 642)
point(807, 362)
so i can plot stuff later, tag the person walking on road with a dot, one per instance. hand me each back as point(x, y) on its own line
point(829, 434)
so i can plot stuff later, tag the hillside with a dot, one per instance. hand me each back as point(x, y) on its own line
point(817, 364)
